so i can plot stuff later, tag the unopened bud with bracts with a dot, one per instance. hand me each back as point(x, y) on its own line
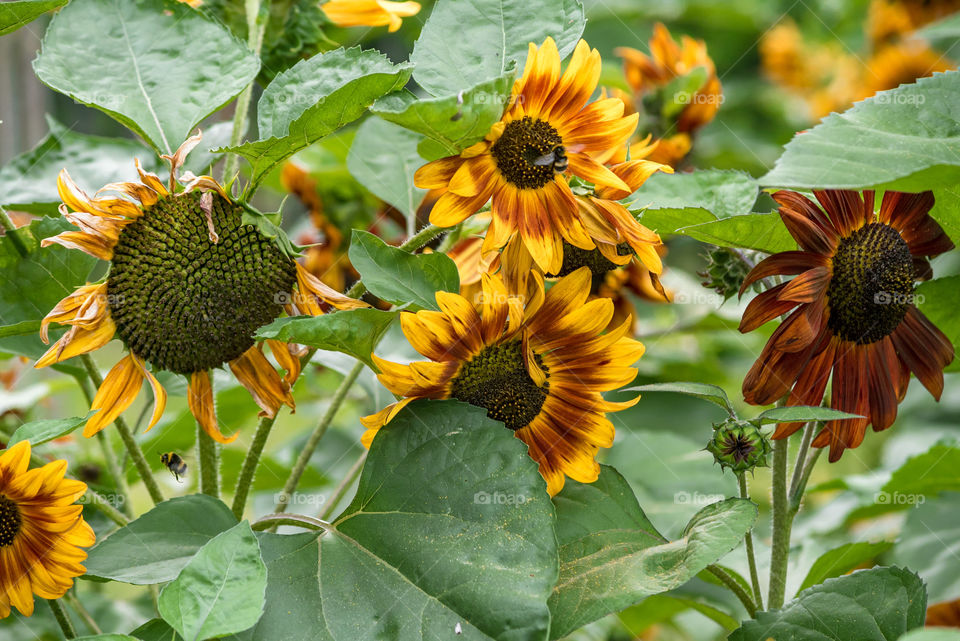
point(739, 445)
point(726, 269)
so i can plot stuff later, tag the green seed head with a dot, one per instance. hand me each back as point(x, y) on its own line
point(184, 302)
point(739, 445)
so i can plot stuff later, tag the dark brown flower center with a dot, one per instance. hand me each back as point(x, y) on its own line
point(497, 380)
point(574, 258)
point(185, 303)
point(10, 521)
point(872, 284)
point(529, 153)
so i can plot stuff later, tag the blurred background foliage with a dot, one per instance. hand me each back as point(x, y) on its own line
point(660, 441)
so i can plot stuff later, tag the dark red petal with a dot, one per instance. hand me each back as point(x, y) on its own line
point(807, 223)
point(845, 208)
point(809, 286)
point(883, 395)
point(786, 263)
point(764, 307)
point(902, 210)
point(849, 394)
point(924, 349)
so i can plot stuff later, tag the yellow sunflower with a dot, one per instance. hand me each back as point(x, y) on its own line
point(901, 63)
point(41, 531)
point(547, 130)
point(668, 60)
point(188, 286)
point(369, 13)
point(538, 364)
point(890, 20)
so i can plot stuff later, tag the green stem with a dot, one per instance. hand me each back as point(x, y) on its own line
point(10, 228)
point(748, 542)
point(74, 603)
point(734, 587)
point(209, 458)
point(314, 440)
point(782, 521)
point(255, 30)
point(808, 431)
point(272, 521)
point(412, 244)
point(345, 483)
point(63, 619)
point(114, 467)
point(796, 495)
point(250, 463)
point(133, 448)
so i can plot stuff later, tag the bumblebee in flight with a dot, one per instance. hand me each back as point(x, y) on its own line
point(174, 463)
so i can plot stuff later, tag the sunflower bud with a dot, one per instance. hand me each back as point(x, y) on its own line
point(725, 271)
point(739, 445)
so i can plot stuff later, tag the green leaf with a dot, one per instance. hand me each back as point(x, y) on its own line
point(106, 637)
point(383, 158)
point(33, 284)
point(156, 547)
point(314, 98)
point(22, 328)
point(946, 210)
point(454, 121)
point(156, 630)
point(803, 413)
point(706, 391)
point(906, 138)
point(611, 556)
point(929, 544)
point(400, 277)
point(29, 181)
point(220, 591)
point(157, 66)
point(498, 33)
point(679, 92)
point(878, 604)
point(927, 474)
point(945, 29)
point(939, 299)
point(451, 524)
point(355, 332)
point(722, 193)
point(841, 560)
point(293, 611)
point(760, 232)
point(14, 15)
point(45, 430)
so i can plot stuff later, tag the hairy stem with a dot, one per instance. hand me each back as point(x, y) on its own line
point(782, 522)
point(255, 29)
point(209, 458)
point(63, 619)
point(88, 620)
point(9, 228)
point(250, 463)
point(748, 542)
point(311, 445)
point(734, 587)
point(133, 448)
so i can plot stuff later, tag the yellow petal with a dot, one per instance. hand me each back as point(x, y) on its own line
point(200, 400)
point(268, 390)
point(117, 392)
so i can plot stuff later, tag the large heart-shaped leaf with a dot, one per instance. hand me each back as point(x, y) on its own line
point(157, 66)
point(498, 32)
point(906, 138)
point(871, 605)
point(841, 560)
point(314, 98)
point(451, 527)
point(155, 547)
point(611, 556)
point(722, 193)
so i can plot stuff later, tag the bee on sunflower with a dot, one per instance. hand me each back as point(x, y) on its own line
point(42, 531)
point(547, 131)
point(188, 285)
point(850, 310)
point(537, 363)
